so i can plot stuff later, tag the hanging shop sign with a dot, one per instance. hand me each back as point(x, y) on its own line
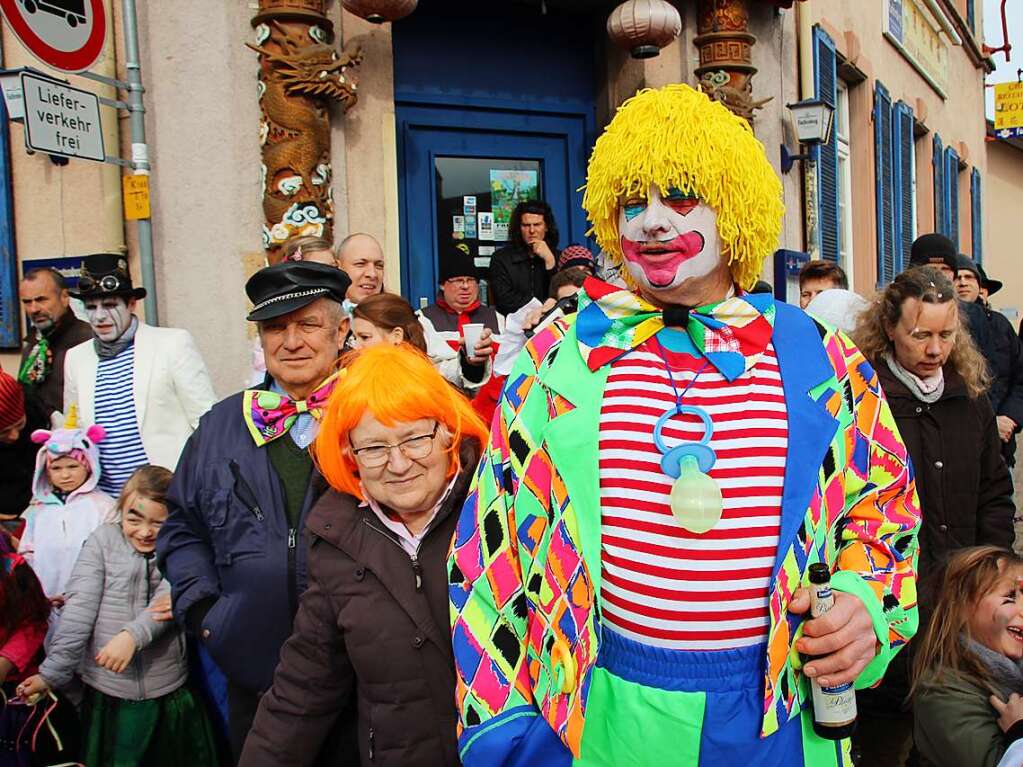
point(1009, 110)
point(61, 120)
point(65, 34)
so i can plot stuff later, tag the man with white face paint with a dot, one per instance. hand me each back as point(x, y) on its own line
point(146, 385)
point(629, 577)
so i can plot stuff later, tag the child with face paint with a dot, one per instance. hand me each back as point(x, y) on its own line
point(968, 669)
point(117, 632)
point(66, 504)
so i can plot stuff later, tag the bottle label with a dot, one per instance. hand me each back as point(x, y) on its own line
point(834, 705)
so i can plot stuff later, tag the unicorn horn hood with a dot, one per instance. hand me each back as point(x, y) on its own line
point(72, 442)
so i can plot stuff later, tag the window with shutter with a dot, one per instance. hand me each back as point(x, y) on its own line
point(884, 184)
point(903, 144)
point(826, 155)
point(938, 165)
point(952, 195)
point(976, 220)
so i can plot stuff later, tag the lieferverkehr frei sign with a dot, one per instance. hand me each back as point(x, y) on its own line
point(61, 120)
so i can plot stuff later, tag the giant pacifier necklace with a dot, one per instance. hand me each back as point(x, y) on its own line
point(696, 501)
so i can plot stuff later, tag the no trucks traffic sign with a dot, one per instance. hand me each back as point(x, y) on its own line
point(65, 34)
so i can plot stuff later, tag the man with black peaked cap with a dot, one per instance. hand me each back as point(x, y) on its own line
point(1005, 362)
point(234, 543)
point(147, 386)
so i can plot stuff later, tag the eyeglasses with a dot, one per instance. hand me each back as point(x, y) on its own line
point(462, 282)
point(413, 448)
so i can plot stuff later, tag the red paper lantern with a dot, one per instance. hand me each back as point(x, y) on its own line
point(644, 26)
point(379, 11)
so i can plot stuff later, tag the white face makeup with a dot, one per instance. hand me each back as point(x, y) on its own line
point(668, 239)
point(109, 317)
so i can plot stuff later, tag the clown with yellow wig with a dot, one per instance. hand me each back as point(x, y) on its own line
point(629, 576)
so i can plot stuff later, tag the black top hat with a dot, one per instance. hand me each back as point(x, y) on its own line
point(455, 262)
point(290, 285)
point(103, 275)
point(928, 248)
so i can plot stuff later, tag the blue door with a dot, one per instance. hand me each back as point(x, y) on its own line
point(490, 94)
point(450, 161)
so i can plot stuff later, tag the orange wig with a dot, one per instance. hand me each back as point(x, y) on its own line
point(395, 384)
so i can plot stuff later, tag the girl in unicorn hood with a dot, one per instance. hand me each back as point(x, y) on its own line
point(66, 506)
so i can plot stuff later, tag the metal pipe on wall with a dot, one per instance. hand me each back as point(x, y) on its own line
point(139, 150)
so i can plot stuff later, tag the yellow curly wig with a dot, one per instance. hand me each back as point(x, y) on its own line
point(677, 137)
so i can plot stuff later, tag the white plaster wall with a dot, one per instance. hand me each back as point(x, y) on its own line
point(203, 132)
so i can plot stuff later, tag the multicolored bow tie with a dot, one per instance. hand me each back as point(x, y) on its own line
point(270, 415)
point(731, 334)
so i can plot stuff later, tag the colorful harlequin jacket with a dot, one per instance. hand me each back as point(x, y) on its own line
point(525, 573)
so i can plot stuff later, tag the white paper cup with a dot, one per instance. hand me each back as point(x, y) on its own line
point(471, 333)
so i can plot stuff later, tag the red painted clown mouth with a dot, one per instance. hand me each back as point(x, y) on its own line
point(660, 259)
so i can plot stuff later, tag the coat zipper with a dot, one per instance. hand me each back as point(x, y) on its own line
point(293, 569)
point(371, 744)
point(244, 492)
point(417, 569)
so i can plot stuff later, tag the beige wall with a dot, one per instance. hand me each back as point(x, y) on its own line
point(1002, 195)
point(959, 119)
point(68, 210)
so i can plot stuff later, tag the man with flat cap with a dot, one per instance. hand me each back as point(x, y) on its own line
point(234, 543)
point(147, 386)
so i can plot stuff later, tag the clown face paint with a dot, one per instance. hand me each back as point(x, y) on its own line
point(668, 240)
point(997, 618)
point(109, 317)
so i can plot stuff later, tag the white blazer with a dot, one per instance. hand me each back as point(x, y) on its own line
point(172, 389)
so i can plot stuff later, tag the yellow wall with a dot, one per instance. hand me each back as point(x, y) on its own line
point(1002, 196)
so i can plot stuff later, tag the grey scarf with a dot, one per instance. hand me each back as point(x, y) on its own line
point(107, 349)
point(1005, 673)
point(914, 383)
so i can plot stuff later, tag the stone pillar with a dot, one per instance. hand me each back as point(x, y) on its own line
point(299, 72)
point(726, 62)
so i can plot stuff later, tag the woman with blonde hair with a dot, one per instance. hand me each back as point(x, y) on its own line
point(935, 381)
point(398, 446)
point(967, 679)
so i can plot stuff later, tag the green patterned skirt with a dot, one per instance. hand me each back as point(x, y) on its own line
point(164, 732)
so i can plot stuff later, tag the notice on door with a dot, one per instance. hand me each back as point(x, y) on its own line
point(61, 120)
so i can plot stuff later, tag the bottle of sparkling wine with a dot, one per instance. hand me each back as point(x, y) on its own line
point(834, 708)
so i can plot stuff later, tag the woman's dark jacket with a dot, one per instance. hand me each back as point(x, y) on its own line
point(964, 485)
point(371, 629)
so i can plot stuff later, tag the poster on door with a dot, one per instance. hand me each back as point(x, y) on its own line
point(508, 188)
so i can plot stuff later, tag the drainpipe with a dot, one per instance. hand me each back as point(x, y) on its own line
point(113, 212)
point(139, 149)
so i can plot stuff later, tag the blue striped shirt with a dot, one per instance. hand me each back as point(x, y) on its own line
point(122, 451)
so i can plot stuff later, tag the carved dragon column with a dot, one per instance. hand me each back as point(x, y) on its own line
point(299, 73)
point(726, 63)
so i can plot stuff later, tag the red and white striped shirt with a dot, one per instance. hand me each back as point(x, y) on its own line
point(662, 585)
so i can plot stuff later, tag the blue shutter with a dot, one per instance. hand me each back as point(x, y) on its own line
point(976, 220)
point(971, 15)
point(938, 165)
point(904, 144)
point(952, 195)
point(884, 184)
point(826, 155)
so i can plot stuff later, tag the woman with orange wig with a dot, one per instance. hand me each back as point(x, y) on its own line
point(398, 446)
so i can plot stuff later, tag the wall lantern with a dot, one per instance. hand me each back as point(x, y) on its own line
point(644, 26)
point(812, 119)
point(379, 11)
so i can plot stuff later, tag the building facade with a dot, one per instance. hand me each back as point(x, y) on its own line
point(464, 106)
